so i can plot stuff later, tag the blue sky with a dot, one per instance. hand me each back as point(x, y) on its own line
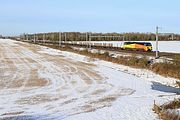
point(30, 16)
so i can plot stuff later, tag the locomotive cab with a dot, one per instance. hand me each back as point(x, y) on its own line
point(145, 46)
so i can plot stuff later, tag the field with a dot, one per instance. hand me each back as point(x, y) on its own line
point(38, 82)
point(164, 46)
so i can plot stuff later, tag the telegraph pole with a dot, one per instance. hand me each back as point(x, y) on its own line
point(157, 38)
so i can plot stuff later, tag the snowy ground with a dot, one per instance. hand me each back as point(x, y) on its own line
point(164, 46)
point(37, 82)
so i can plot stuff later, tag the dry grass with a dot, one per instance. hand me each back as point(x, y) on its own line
point(178, 83)
point(129, 61)
point(177, 57)
point(163, 112)
point(169, 116)
point(165, 69)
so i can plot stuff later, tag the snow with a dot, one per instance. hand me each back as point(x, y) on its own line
point(164, 46)
point(174, 111)
point(129, 91)
point(139, 73)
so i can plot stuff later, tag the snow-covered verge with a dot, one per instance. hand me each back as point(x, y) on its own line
point(76, 88)
point(164, 46)
point(140, 73)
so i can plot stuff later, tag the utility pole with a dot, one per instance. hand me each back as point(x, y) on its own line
point(24, 37)
point(52, 35)
point(44, 38)
point(37, 38)
point(172, 37)
point(90, 41)
point(86, 36)
point(65, 37)
point(157, 37)
point(60, 39)
point(87, 39)
point(34, 38)
point(27, 36)
point(123, 40)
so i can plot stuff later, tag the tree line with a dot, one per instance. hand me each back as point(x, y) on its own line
point(78, 36)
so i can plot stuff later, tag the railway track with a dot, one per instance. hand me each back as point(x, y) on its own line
point(56, 44)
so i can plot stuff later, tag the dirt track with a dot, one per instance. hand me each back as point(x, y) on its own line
point(36, 83)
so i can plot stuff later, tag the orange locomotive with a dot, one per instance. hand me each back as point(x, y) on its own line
point(144, 46)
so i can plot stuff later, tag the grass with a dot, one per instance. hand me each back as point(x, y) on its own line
point(167, 69)
point(178, 83)
point(177, 57)
point(129, 61)
point(163, 112)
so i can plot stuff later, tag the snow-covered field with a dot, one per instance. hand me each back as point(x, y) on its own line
point(37, 82)
point(164, 46)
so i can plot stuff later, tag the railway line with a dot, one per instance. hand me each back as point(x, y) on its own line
point(102, 46)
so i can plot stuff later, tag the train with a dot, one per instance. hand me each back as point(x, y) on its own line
point(139, 46)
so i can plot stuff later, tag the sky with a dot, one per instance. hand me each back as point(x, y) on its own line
point(35, 16)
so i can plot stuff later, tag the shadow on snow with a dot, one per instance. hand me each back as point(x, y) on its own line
point(33, 117)
point(164, 88)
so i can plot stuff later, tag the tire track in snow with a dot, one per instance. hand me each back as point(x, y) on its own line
point(72, 88)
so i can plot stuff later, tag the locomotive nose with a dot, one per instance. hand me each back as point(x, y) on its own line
point(150, 48)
